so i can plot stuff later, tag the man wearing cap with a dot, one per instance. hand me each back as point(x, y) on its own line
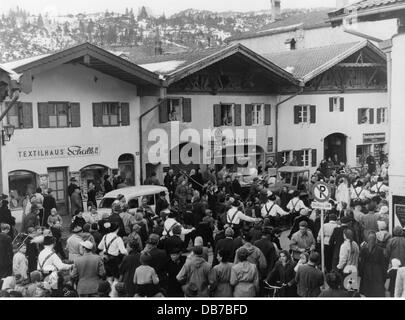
point(116, 209)
point(88, 270)
point(302, 241)
point(73, 244)
point(234, 216)
point(48, 259)
point(272, 210)
point(174, 241)
point(175, 264)
point(171, 222)
point(161, 203)
point(304, 216)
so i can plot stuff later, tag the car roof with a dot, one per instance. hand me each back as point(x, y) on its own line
point(292, 169)
point(137, 191)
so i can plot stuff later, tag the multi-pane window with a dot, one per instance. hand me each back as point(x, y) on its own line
point(286, 156)
point(227, 116)
point(257, 114)
point(306, 157)
point(365, 116)
point(58, 114)
point(20, 115)
point(382, 115)
point(174, 109)
point(304, 114)
point(110, 114)
point(336, 104)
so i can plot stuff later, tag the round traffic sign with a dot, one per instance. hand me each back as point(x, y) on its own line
point(321, 192)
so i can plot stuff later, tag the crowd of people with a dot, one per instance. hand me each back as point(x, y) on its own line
point(212, 239)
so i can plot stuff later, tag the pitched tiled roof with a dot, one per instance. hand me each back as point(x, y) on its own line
point(366, 5)
point(310, 20)
point(306, 64)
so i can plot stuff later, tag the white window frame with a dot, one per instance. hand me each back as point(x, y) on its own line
point(367, 115)
point(179, 115)
point(304, 109)
point(336, 104)
point(232, 105)
point(384, 113)
point(260, 120)
point(306, 157)
point(109, 115)
point(286, 154)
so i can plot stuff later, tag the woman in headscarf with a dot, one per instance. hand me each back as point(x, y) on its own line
point(220, 276)
point(372, 268)
point(283, 275)
point(244, 276)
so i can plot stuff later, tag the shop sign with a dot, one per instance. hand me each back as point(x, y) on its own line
point(74, 151)
point(374, 137)
point(400, 213)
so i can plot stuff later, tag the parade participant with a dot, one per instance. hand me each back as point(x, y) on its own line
point(175, 240)
point(145, 278)
point(268, 249)
point(20, 263)
point(6, 252)
point(88, 269)
point(171, 222)
point(255, 255)
point(295, 205)
point(49, 260)
point(349, 253)
point(244, 276)
point(175, 264)
point(220, 276)
point(272, 210)
point(334, 281)
point(73, 244)
point(302, 241)
point(283, 275)
point(380, 187)
point(309, 279)
point(234, 216)
point(360, 192)
point(113, 249)
point(328, 229)
point(196, 270)
point(128, 266)
point(372, 268)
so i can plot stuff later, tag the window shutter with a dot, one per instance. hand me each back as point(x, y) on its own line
point(342, 104)
point(217, 115)
point(359, 115)
point(238, 115)
point(297, 114)
point(312, 114)
point(313, 156)
point(186, 109)
point(371, 116)
point(267, 114)
point(43, 115)
point(125, 114)
point(248, 114)
point(331, 104)
point(164, 111)
point(279, 159)
point(26, 118)
point(97, 114)
point(379, 115)
point(74, 114)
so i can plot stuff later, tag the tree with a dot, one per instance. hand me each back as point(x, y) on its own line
point(143, 14)
point(40, 22)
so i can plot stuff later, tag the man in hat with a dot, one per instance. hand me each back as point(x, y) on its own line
point(302, 241)
point(113, 249)
point(171, 222)
point(115, 218)
point(72, 186)
point(76, 202)
point(268, 249)
point(227, 244)
point(73, 244)
point(48, 259)
point(272, 210)
point(88, 270)
point(175, 264)
point(234, 217)
point(161, 203)
point(304, 216)
point(174, 241)
point(295, 205)
point(48, 204)
point(6, 252)
point(31, 220)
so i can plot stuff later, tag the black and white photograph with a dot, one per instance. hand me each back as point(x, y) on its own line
point(202, 150)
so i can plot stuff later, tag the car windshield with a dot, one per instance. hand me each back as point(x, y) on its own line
point(106, 203)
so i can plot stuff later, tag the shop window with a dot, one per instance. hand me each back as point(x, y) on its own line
point(362, 151)
point(21, 183)
point(58, 114)
point(20, 115)
point(382, 115)
point(304, 114)
point(336, 104)
point(365, 116)
point(111, 114)
point(175, 109)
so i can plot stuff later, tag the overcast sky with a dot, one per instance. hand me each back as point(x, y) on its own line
point(157, 6)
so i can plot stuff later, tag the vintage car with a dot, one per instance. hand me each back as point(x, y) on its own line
point(290, 177)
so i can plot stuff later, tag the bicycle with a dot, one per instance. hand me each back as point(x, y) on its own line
point(272, 289)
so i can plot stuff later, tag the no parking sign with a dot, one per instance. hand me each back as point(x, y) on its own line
point(321, 192)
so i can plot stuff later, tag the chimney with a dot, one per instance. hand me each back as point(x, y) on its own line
point(341, 3)
point(275, 9)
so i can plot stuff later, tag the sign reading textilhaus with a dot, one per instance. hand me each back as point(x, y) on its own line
point(74, 151)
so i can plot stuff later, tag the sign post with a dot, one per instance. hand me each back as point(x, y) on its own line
point(322, 193)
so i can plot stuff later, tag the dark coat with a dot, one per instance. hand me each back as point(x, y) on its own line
point(71, 188)
point(30, 220)
point(173, 242)
point(372, 270)
point(115, 218)
point(91, 197)
point(335, 242)
point(173, 269)
point(32, 254)
point(198, 212)
point(6, 256)
point(107, 186)
point(284, 274)
point(6, 217)
point(309, 281)
point(396, 249)
point(127, 271)
point(236, 187)
point(159, 262)
point(160, 205)
point(226, 244)
point(269, 252)
point(75, 203)
point(48, 204)
point(89, 268)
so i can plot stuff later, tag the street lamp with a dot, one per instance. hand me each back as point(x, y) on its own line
point(6, 133)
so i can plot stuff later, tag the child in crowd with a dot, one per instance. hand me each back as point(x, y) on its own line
point(145, 278)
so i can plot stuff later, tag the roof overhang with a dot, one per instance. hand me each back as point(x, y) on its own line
point(225, 53)
point(338, 59)
point(93, 57)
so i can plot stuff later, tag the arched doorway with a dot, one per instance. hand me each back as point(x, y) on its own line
point(126, 166)
point(21, 183)
point(95, 174)
point(335, 144)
